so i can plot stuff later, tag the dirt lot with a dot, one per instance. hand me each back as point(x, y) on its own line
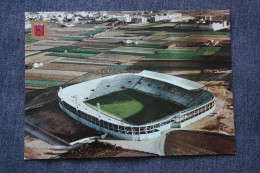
point(37, 97)
point(42, 57)
point(210, 137)
point(72, 67)
point(94, 44)
point(52, 119)
point(118, 35)
point(114, 57)
point(199, 37)
point(198, 143)
point(86, 61)
point(35, 148)
point(53, 43)
point(222, 120)
point(51, 75)
point(32, 47)
point(100, 149)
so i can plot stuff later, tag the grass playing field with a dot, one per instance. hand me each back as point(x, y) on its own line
point(135, 107)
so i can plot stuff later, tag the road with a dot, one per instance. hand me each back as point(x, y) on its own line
point(154, 146)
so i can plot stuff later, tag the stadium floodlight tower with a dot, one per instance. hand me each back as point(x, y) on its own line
point(137, 106)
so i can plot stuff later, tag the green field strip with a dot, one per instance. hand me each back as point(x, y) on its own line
point(63, 48)
point(145, 27)
point(40, 82)
point(129, 53)
point(183, 52)
point(173, 56)
point(189, 54)
point(34, 54)
point(175, 35)
point(27, 41)
point(174, 51)
point(138, 49)
point(72, 55)
point(92, 32)
point(209, 53)
point(70, 39)
point(209, 48)
point(154, 24)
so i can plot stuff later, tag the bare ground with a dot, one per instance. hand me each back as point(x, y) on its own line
point(222, 119)
point(99, 149)
point(198, 143)
point(52, 119)
point(35, 148)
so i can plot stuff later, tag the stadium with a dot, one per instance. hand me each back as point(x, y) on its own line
point(136, 106)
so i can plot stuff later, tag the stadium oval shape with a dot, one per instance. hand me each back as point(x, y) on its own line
point(197, 101)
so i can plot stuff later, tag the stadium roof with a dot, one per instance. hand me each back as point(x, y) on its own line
point(177, 81)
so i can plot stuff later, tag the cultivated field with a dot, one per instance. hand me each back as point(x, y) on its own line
point(198, 143)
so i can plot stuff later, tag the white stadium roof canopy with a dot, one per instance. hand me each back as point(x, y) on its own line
point(177, 81)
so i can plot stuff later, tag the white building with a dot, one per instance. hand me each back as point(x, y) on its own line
point(37, 64)
point(220, 25)
point(215, 26)
point(124, 18)
point(170, 17)
point(140, 19)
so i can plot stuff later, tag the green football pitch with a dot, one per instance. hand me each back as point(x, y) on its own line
point(135, 107)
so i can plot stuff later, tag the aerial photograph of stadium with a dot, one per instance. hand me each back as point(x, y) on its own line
point(128, 84)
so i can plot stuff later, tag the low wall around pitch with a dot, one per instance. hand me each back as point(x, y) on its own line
point(135, 137)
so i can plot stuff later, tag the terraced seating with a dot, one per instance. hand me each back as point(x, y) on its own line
point(167, 91)
point(115, 84)
point(150, 86)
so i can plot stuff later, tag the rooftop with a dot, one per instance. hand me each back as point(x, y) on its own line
point(177, 81)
